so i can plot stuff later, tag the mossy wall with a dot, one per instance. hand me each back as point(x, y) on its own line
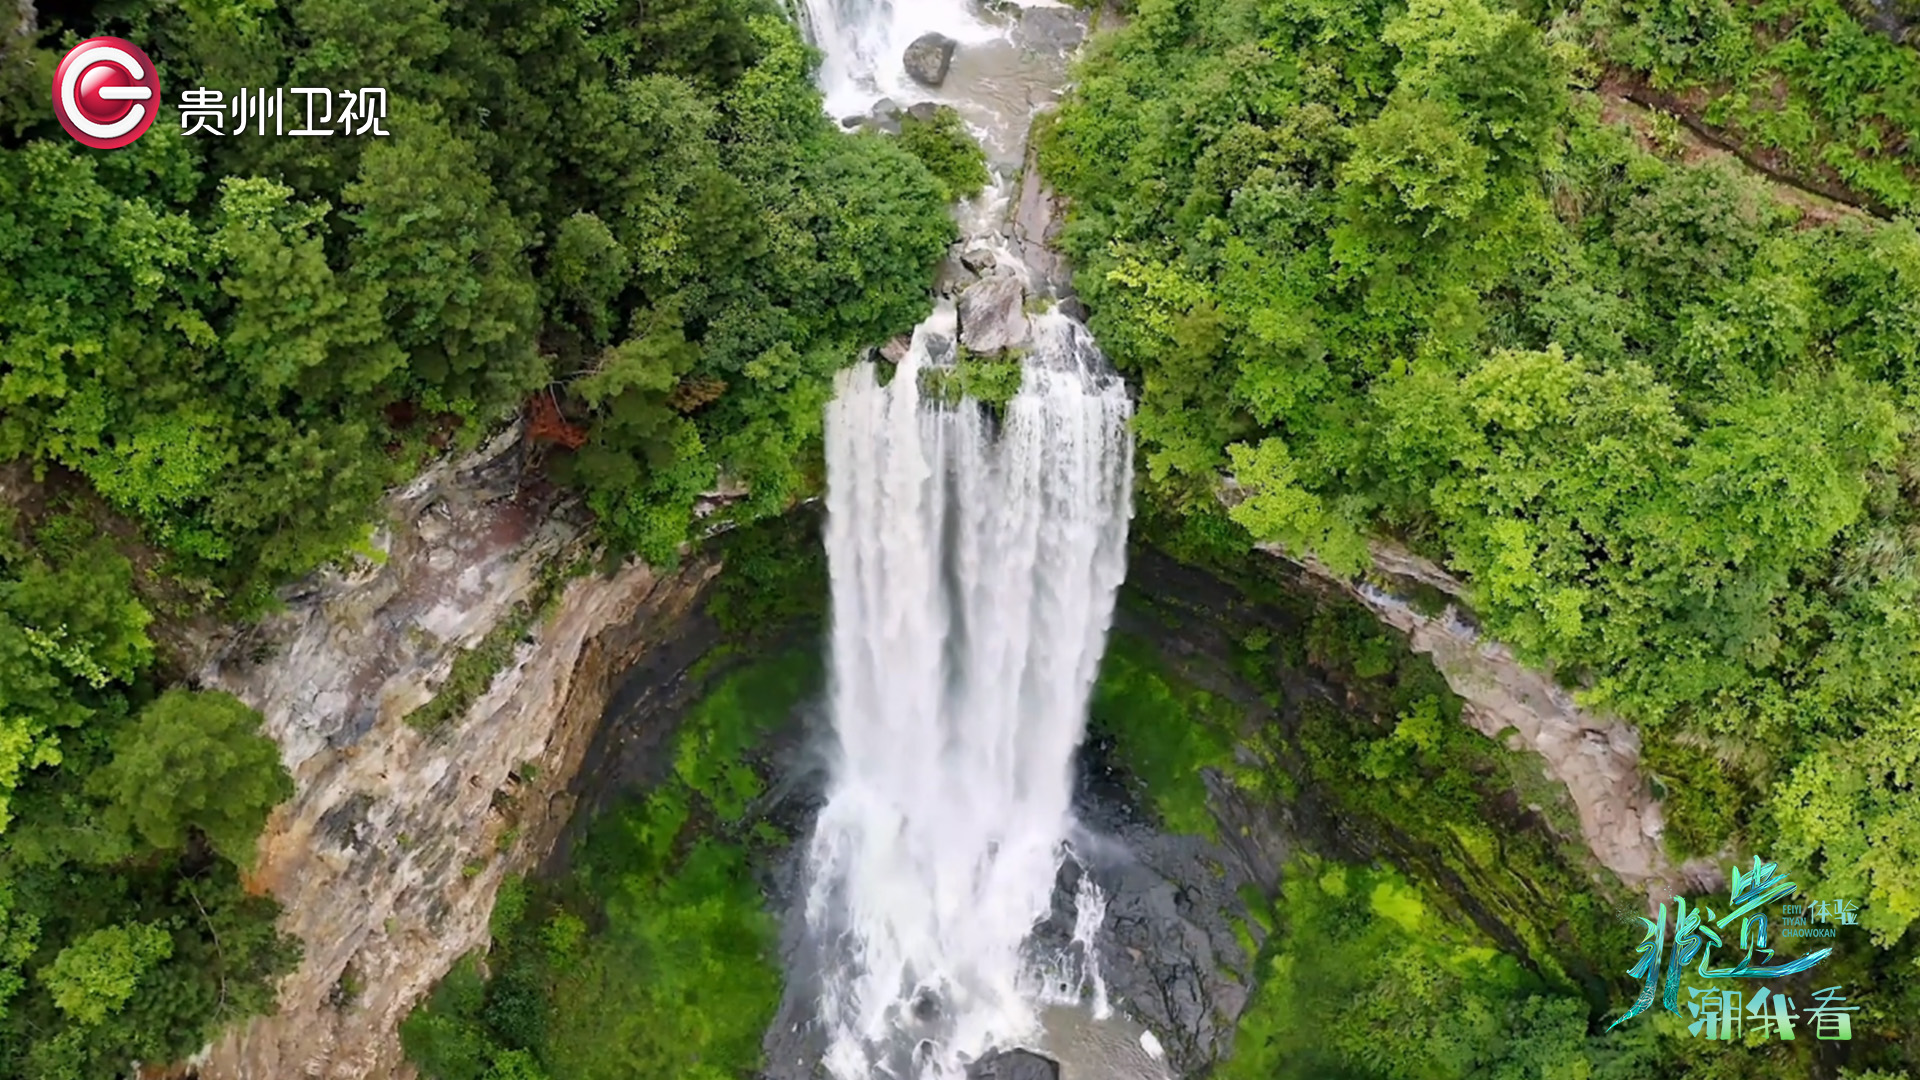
point(1435, 914)
point(647, 948)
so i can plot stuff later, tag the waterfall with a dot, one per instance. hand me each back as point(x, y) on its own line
point(974, 565)
point(974, 568)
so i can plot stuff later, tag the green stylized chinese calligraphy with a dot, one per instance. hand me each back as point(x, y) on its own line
point(1762, 885)
point(1830, 1021)
point(1696, 933)
point(1719, 1015)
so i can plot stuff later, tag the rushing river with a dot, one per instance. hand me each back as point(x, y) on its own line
point(974, 565)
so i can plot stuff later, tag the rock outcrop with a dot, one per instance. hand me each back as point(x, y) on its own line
point(388, 857)
point(1058, 29)
point(1596, 756)
point(993, 316)
point(1167, 946)
point(996, 281)
point(1036, 225)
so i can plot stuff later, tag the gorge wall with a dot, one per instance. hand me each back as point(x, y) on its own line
point(1594, 755)
point(388, 858)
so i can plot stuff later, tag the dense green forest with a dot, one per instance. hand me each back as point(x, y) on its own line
point(1809, 89)
point(1407, 270)
point(216, 354)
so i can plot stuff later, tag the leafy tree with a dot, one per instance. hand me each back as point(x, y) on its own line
point(1848, 813)
point(194, 760)
point(448, 255)
point(589, 270)
point(66, 632)
point(1414, 166)
point(515, 1065)
point(96, 974)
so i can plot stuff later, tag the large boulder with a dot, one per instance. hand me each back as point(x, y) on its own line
point(979, 259)
point(953, 277)
point(993, 316)
point(884, 117)
point(1014, 1065)
point(929, 58)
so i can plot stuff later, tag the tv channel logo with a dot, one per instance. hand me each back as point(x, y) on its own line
point(106, 92)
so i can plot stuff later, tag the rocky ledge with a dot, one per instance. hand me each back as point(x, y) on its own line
point(997, 283)
point(1596, 756)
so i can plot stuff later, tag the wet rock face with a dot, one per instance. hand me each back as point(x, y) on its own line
point(1167, 950)
point(1167, 947)
point(1014, 1065)
point(929, 59)
point(1036, 224)
point(388, 857)
point(1060, 29)
point(1897, 19)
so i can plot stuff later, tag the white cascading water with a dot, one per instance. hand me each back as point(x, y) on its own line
point(973, 576)
point(862, 41)
point(974, 569)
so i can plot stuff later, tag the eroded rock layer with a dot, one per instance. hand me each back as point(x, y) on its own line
point(389, 855)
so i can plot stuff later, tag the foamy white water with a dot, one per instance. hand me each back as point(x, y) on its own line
point(973, 581)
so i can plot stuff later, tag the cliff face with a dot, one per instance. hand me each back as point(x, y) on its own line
point(388, 857)
point(1596, 756)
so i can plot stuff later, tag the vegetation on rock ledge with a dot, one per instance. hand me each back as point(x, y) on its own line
point(1439, 917)
point(656, 956)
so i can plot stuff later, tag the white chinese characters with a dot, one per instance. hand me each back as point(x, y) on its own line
point(301, 110)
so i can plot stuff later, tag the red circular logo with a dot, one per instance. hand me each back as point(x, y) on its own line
point(106, 92)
